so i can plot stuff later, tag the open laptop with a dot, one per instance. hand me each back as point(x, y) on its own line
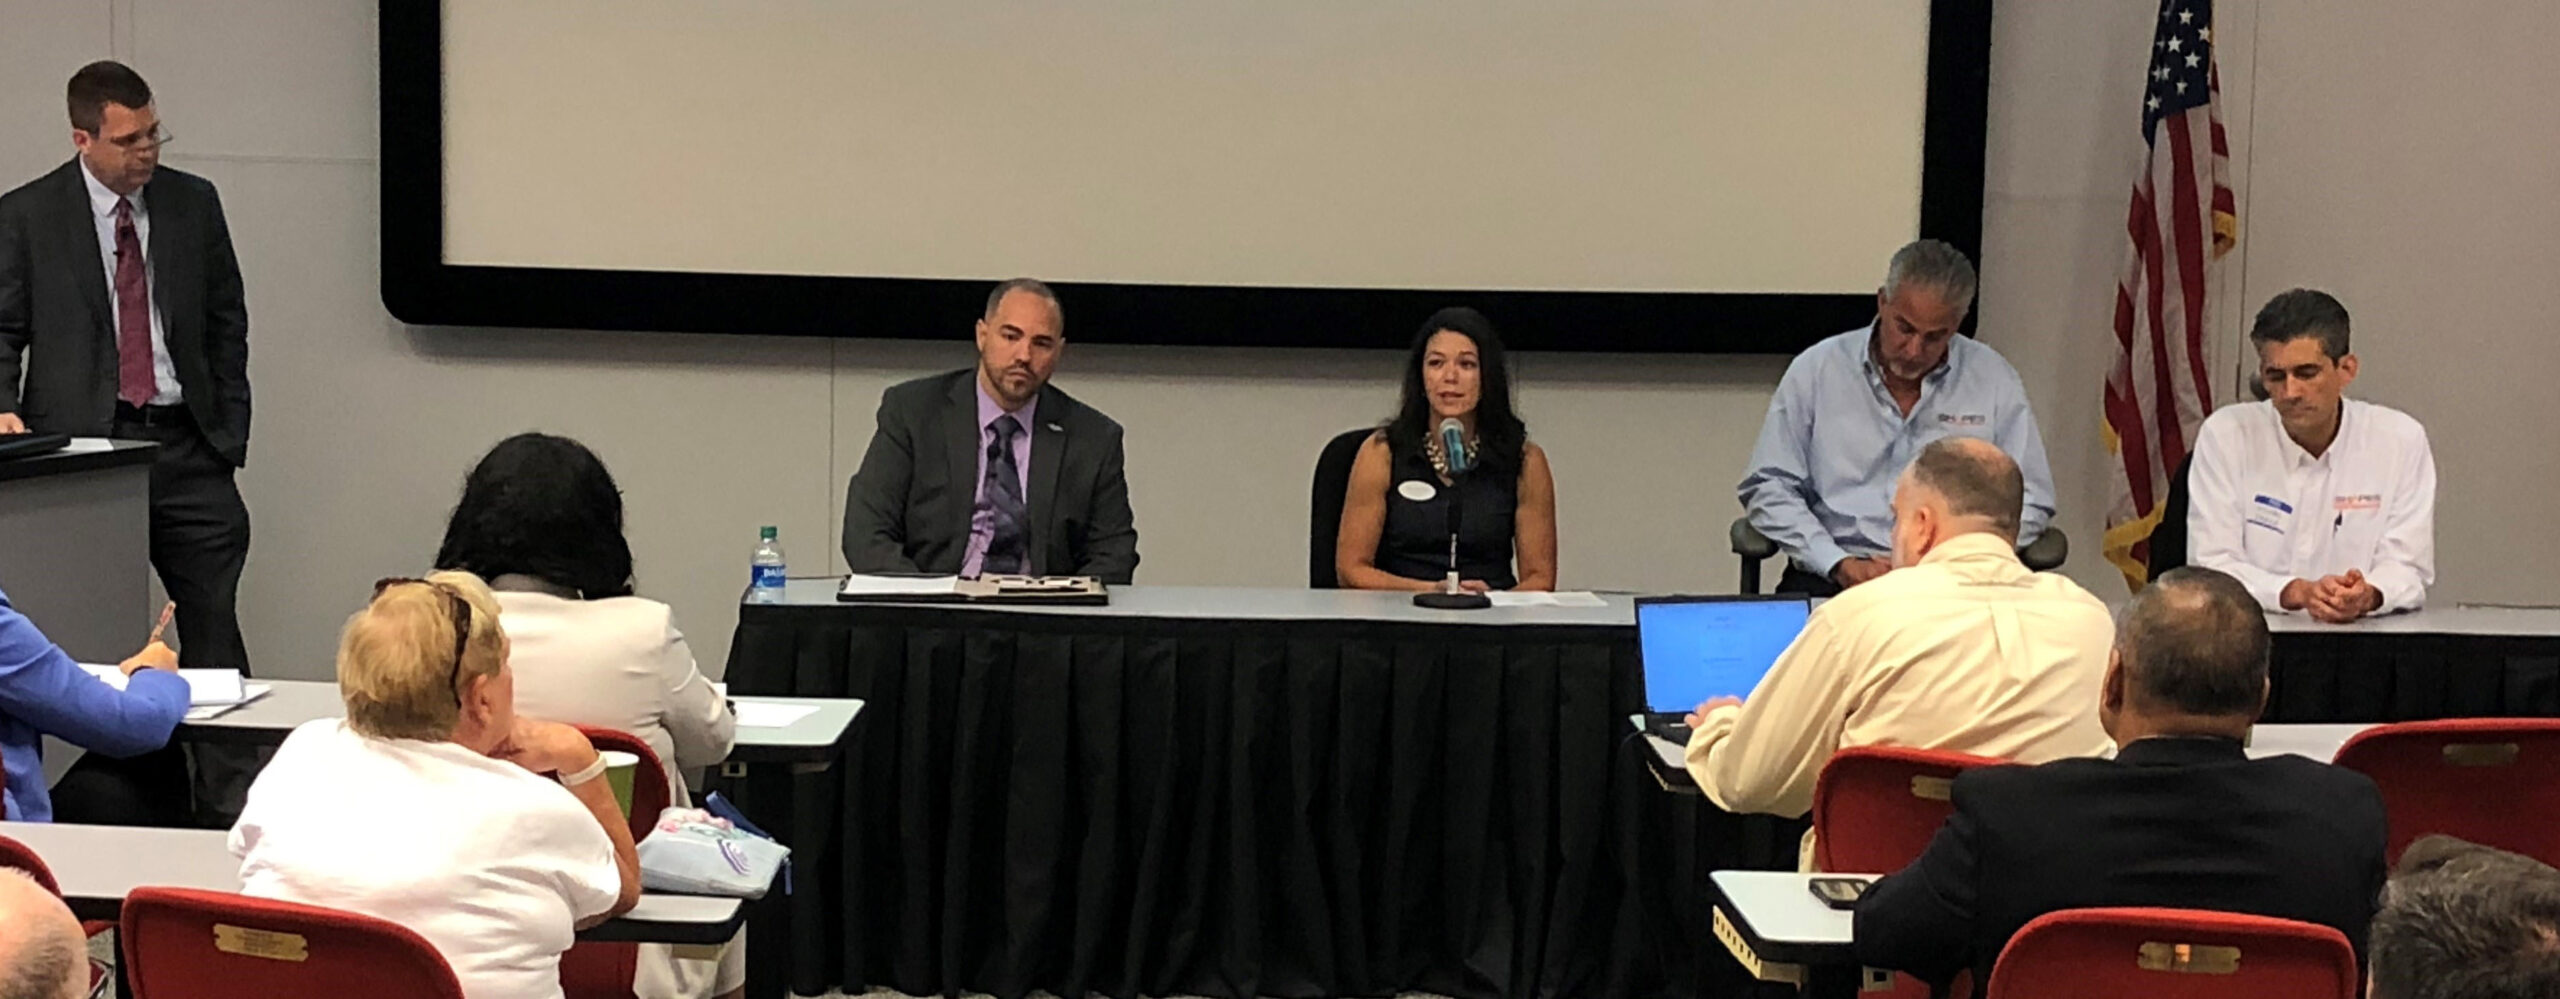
point(1696, 648)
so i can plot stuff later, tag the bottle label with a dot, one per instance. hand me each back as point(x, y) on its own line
point(767, 577)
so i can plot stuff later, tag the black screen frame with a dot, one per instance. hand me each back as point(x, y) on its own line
point(420, 288)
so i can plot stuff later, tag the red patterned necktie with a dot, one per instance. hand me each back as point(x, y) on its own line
point(134, 383)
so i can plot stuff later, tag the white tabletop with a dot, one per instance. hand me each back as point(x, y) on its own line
point(1778, 907)
point(294, 702)
point(2319, 742)
point(103, 864)
point(1263, 604)
point(2457, 619)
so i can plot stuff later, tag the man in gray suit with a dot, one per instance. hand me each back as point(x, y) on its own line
point(121, 315)
point(991, 470)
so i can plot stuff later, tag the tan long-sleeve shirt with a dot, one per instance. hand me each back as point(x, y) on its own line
point(1965, 651)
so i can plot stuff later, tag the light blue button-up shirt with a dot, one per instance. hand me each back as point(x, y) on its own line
point(1822, 476)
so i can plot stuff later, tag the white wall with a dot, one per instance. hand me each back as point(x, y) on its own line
point(2420, 195)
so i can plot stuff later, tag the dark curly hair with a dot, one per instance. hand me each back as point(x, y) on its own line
point(1498, 430)
point(541, 506)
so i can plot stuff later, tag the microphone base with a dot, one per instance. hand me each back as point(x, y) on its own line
point(1452, 601)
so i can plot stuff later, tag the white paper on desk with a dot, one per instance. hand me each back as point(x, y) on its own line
point(209, 712)
point(766, 714)
point(204, 686)
point(859, 585)
point(87, 445)
point(1566, 599)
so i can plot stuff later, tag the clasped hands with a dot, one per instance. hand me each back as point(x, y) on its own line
point(2333, 599)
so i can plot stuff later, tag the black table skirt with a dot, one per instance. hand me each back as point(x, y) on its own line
point(2363, 677)
point(1124, 806)
point(1236, 808)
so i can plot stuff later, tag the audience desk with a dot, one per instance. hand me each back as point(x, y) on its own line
point(1236, 791)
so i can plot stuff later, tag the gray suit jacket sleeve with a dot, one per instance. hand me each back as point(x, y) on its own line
point(1111, 542)
point(875, 523)
point(16, 316)
point(226, 331)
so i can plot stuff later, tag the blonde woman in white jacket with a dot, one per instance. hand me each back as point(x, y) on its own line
point(541, 520)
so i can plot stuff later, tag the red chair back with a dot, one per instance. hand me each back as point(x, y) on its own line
point(1875, 807)
point(2173, 954)
point(2493, 781)
point(18, 856)
point(605, 970)
point(182, 943)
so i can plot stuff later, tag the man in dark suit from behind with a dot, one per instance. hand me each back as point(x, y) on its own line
point(122, 315)
point(991, 470)
point(2180, 818)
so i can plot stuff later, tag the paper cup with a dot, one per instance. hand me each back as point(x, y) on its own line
point(619, 767)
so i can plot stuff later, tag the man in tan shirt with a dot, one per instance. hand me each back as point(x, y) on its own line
point(1959, 647)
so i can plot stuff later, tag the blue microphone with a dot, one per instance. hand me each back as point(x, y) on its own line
point(1453, 440)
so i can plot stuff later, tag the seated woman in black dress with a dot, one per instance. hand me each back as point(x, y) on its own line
point(1396, 513)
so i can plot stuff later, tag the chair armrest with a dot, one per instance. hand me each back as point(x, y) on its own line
point(2048, 551)
point(1749, 543)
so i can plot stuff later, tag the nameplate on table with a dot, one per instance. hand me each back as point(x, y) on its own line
point(1083, 591)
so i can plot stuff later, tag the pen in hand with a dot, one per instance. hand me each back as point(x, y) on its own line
point(167, 611)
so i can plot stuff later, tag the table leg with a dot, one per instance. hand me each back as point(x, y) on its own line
point(769, 922)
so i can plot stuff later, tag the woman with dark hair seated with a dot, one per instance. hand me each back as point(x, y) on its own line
point(1396, 513)
point(541, 520)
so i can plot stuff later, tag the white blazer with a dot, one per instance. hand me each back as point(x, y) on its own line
point(619, 663)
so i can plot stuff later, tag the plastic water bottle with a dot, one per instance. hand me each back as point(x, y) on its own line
point(764, 585)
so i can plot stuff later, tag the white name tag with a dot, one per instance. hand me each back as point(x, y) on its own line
point(1417, 490)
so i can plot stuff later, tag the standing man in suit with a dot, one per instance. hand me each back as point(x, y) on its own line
point(991, 470)
point(121, 315)
point(2180, 818)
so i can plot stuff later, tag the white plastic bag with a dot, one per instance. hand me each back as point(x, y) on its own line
point(697, 853)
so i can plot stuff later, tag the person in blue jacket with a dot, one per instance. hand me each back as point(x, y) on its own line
point(44, 692)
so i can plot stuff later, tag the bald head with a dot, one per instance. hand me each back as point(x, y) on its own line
point(2194, 643)
point(42, 954)
point(1957, 486)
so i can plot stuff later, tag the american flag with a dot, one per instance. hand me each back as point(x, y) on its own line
point(2182, 220)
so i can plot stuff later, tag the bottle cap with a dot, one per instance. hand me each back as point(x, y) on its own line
point(767, 533)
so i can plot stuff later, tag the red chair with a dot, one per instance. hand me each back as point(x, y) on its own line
point(2173, 954)
point(604, 970)
point(1876, 807)
point(183, 943)
point(2493, 781)
point(21, 857)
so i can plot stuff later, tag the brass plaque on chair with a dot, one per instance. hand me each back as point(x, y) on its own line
point(2481, 754)
point(1933, 788)
point(268, 944)
point(2197, 959)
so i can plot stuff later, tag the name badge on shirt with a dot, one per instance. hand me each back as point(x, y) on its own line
point(2280, 505)
point(2361, 501)
point(1417, 490)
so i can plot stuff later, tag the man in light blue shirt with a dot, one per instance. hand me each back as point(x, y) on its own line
point(1855, 408)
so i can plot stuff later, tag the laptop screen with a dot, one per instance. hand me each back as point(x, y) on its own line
point(1696, 649)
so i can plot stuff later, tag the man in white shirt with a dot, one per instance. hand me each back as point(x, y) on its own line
point(1959, 648)
point(2316, 502)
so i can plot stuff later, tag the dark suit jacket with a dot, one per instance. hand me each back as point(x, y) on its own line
point(908, 508)
point(2183, 823)
point(57, 330)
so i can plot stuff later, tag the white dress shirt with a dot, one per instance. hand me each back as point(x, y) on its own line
point(1966, 651)
point(102, 212)
point(494, 864)
point(2264, 510)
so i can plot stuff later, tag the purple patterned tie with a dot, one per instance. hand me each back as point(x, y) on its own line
point(1003, 492)
point(134, 383)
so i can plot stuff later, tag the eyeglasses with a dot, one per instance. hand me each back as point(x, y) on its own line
point(137, 143)
point(461, 609)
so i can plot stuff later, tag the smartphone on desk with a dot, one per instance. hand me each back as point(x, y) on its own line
point(1838, 893)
